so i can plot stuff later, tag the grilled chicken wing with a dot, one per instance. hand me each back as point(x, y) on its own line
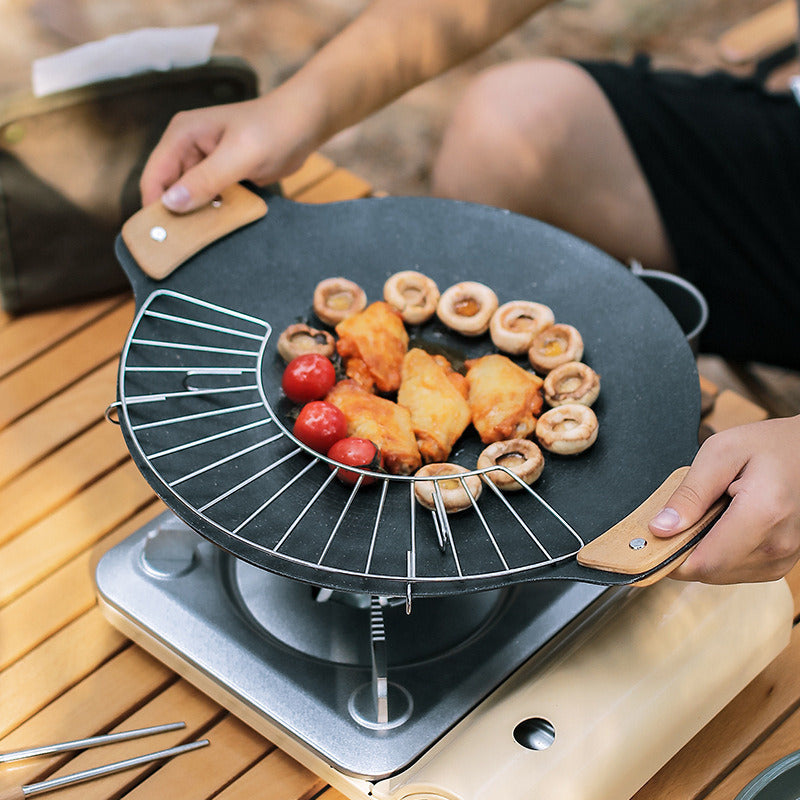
point(373, 344)
point(439, 412)
point(456, 378)
point(504, 398)
point(385, 423)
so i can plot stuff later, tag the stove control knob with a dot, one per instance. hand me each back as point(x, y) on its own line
point(170, 549)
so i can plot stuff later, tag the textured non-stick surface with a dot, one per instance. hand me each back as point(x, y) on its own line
point(648, 406)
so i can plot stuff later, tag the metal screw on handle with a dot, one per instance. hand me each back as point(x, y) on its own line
point(637, 544)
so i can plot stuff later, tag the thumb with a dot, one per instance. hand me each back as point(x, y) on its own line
point(178, 198)
point(704, 483)
point(199, 185)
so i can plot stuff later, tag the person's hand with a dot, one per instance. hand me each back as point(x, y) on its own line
point(206, 150)
point(757, 538)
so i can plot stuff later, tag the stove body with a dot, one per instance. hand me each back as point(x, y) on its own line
point(559, 688)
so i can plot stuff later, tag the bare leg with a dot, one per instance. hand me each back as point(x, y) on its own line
point(539, 137)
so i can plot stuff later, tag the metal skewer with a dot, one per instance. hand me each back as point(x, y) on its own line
point(21, 792)
point(92, 741)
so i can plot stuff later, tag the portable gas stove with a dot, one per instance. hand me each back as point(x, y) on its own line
point(483, 695)
point(517, 670)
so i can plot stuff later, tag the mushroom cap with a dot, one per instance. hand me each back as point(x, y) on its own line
point(414, 295)
point(336, 299)
point(573, 382)
point(300, 338)
point(520, 456)
point(555, 345)
point(567, 429)
point(515, 324)
point(467, 307)
point(454, 496)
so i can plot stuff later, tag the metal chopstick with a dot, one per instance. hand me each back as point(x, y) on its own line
point(92, 741)
point(96, 772)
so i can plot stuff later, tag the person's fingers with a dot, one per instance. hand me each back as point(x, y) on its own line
point(730, 549)
point(177, 151)
point(159, 174)
point(708, 478)
point(202, 152)
point(752, 570)
point(201, 183)
point(176, 170)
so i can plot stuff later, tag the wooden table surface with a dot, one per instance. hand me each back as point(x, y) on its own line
point(68, 490)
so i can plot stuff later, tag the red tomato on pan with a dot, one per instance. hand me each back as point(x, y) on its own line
point(356, 452)
point(308, 377)
point(320, 425)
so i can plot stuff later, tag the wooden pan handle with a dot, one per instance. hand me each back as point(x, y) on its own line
point(629, 547)
point(160, 241)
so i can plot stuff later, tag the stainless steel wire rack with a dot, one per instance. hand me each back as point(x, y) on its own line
point(204, 421)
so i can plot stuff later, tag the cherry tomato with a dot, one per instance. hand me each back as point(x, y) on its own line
point(356, 452)
point(319, 425)
point(308, 377)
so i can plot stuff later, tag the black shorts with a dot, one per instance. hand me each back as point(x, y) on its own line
point(722, 158)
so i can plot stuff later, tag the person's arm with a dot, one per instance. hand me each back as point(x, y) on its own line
point(391, 47)
point(758, 536)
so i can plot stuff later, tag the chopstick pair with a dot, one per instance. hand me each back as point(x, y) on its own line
point(21, 792)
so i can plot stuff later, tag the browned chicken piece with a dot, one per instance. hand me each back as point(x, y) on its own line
point(504, 398)
point(382, 421)
point(373, 344)
point(439, 412)
point(456, 378)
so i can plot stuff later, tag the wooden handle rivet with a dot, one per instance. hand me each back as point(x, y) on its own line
point(216, 202)
point(158, 233)
point(637, 544)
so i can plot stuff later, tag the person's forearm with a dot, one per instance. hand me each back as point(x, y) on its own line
point(393, 46)
point(388, 49)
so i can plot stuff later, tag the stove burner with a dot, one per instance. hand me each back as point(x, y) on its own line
point(334, 627)
point(316, 672)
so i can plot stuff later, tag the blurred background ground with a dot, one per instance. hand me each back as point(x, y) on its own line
point(393, 149)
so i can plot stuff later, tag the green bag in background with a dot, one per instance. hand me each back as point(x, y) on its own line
point(70, 164)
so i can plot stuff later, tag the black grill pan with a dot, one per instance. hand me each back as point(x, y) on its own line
point(202, 413)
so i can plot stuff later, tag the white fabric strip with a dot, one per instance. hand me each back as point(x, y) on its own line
point(124, 54)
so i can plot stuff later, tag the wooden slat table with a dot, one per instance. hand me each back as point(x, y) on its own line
point(68, 491)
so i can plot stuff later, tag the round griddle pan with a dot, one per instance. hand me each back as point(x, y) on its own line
point(203, 416)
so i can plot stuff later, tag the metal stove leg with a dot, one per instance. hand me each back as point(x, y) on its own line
point(380, 669)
